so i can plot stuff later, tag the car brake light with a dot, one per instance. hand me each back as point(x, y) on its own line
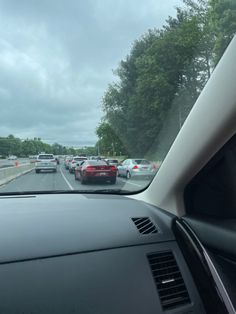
point(135, 167)
point(113, 168)
point(90, 168)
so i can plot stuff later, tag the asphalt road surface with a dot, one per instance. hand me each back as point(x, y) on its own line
point(63, 180)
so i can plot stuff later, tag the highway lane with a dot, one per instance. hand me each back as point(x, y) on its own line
point(63, 180)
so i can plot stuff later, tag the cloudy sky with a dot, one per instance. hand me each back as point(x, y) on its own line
point(56, 60)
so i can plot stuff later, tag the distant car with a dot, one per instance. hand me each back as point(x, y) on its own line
point(33, 158)
point(94, 158)
point(12, 157)
point(136, 168)
point(77, 169)
point(95, 170)
point(66, 161)
point(74, 161)
point(57, 160)
point(45, 162)
point(112, 162)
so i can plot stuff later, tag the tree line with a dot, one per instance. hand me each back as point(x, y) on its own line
point(11, 145)
point(159, 81)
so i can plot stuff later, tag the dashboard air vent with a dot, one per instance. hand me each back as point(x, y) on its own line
point(169, 281)
point(144, 225)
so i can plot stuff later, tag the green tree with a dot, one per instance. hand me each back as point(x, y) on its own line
point(109, 143)
point(223, 23)
point(150, 78)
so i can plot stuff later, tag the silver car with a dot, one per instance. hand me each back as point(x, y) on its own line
point(136, 168)
point(45, 162)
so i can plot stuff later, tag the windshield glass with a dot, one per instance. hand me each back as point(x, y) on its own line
point(101, 80)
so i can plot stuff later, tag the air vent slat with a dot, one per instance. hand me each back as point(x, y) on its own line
point(145, 225)
point(168, 279)
point(140, 222)
point(148, 230)
point(161, 259)
point(175, 302)
point(169, 288)
point(174, 294)
point(156, 273)
point(167, 268)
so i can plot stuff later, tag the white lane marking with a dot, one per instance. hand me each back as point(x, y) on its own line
point(131, 183)
point(68, 183)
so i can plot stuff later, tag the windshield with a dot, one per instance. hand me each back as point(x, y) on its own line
point(101, 80)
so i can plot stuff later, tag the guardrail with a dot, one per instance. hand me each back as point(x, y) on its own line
point(10, 173)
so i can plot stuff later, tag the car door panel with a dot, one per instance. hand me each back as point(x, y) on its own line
point(210, 201)
point(219, 239)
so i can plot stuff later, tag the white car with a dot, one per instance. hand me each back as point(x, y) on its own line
point(45, 162)
point(12, 157)
point(74, 161)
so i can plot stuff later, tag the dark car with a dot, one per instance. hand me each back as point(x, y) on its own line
point(95, 170)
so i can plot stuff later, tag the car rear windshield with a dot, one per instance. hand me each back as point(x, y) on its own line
point(97, 163)
point(45, 157)
point(80, 158)
point(141, 162)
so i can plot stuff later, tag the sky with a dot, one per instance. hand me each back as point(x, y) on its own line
point(57, 58)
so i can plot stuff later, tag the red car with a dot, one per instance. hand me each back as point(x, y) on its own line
point(95, 170)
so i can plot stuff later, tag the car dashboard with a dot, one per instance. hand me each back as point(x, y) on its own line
point(90, 253)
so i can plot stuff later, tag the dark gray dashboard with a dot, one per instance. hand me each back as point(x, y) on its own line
point(84, 254)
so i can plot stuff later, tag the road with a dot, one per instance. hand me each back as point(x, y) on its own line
point(63, 180)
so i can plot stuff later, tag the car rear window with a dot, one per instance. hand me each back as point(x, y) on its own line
point(45, 157)
point(142, 162)
point(97, 163)
point(80, 158)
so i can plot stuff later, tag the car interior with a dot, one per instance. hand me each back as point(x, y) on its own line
point(170, 248)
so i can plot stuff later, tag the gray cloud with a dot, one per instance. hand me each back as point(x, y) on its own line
point(56, 60)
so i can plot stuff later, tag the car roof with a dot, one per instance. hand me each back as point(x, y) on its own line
point(45, 154)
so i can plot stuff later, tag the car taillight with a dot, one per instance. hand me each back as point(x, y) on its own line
point(90, 168)
point(113, 168)
point(135, 167)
